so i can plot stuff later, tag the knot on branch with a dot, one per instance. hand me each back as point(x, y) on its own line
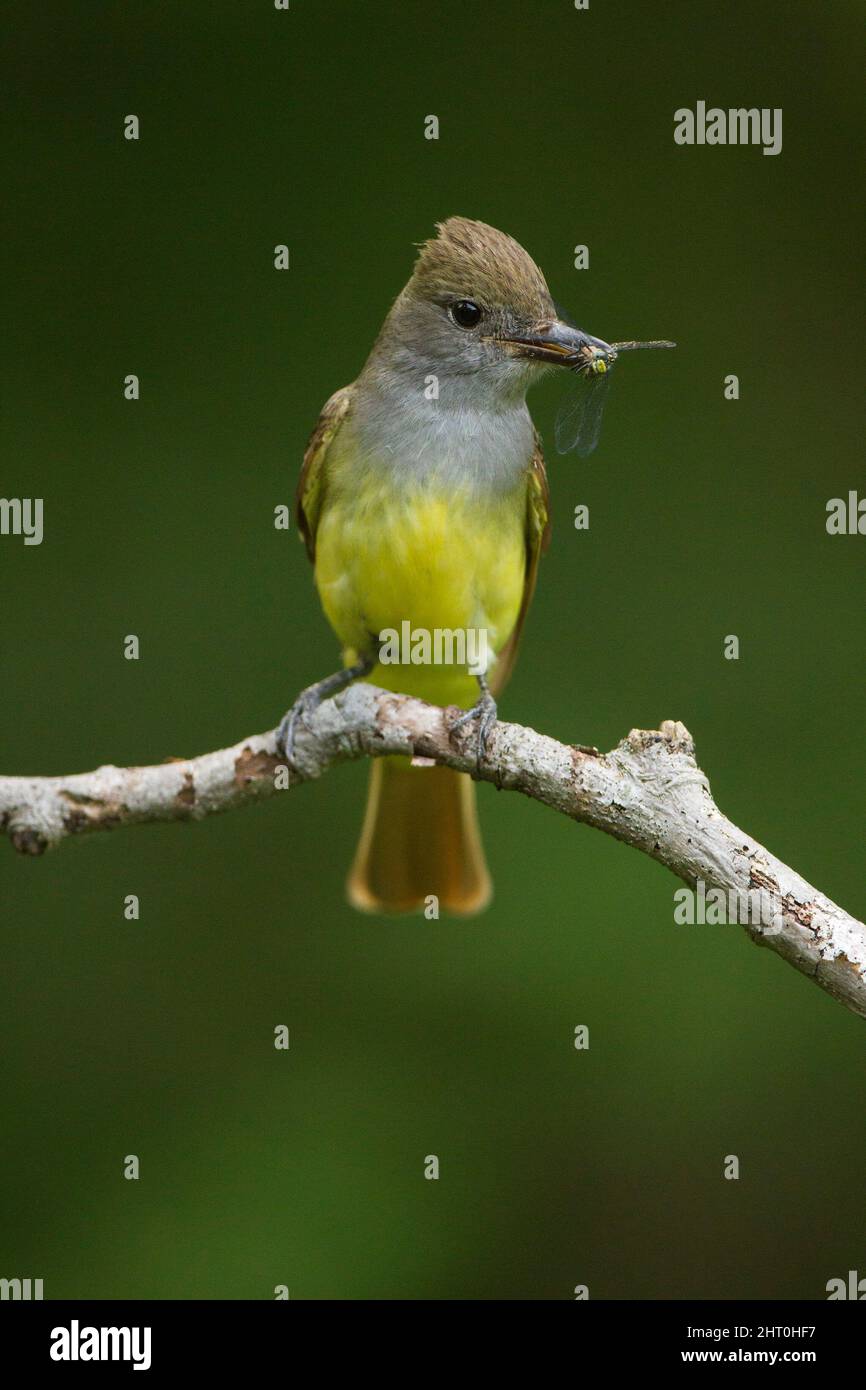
point(672, 735)
point(252, 765)
point(27, 841)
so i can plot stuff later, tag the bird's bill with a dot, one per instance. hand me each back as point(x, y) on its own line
point(555, 342)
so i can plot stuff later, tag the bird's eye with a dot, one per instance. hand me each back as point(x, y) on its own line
point(465, 313)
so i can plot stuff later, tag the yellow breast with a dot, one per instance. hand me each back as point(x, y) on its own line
point(435, 559)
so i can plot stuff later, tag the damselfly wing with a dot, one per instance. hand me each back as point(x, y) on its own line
point(578, 421)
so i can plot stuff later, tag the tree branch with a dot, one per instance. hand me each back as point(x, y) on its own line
point(648, 792)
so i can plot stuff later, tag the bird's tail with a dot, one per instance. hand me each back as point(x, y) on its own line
point(420, 839)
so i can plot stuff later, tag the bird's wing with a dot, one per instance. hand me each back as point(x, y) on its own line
point(311, 484)
point(537, 541)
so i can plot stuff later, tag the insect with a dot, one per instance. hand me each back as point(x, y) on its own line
point(578, 421)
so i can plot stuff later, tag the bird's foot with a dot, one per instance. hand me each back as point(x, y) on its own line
point(485, 712)
point(308, 702)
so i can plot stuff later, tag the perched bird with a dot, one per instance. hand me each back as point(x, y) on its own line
point(423, 499)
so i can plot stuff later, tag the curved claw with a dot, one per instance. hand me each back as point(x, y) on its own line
point(486, 713)
point(288, 727)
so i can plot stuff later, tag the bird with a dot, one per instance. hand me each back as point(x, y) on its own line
point(423, 499)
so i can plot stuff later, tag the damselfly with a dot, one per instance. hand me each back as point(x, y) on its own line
point(578, 421)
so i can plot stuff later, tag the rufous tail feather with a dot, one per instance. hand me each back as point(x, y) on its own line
point(420, 839)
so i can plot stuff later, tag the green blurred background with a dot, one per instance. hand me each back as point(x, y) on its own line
point(707, 518)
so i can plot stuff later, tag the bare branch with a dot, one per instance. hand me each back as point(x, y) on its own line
point(648, 792)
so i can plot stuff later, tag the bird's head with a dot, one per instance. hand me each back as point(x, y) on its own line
point(477, 314)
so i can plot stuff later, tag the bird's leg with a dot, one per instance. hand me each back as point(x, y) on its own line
point(484, 710)
point(310, 699)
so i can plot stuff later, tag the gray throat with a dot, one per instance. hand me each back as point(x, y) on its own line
point(463, 438)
